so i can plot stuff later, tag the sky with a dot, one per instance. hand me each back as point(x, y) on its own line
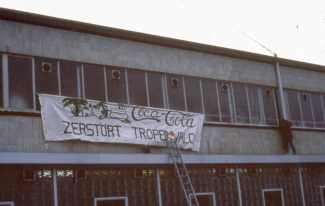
point(293, 29)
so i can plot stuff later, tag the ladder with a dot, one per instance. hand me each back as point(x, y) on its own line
point(181, 172)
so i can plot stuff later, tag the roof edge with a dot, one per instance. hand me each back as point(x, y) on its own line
point(53, 22)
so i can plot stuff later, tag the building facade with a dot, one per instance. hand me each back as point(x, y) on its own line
point(243, 96)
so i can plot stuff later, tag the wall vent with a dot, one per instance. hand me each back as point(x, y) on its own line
point(224, 87)
point(116, 74)
point(174, 82)
point(267, 92)
point(46, 67)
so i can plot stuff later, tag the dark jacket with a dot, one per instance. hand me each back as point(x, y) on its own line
point(285, 127)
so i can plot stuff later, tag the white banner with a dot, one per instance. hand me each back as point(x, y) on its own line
point(66, 118)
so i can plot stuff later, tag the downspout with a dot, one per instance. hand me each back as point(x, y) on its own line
point(278, 76)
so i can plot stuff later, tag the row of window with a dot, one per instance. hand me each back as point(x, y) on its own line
point(305, 109)
point(220, 101)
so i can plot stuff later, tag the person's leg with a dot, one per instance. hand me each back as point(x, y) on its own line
point(293, 147)
point(286, 145)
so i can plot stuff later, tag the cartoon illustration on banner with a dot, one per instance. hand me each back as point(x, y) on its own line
point(67, 118)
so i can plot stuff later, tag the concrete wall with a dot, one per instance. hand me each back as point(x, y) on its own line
point(25, 134)
point(67, 45)
point(299, 79)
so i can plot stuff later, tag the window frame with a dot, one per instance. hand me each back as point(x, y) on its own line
point(322, 194)
point(111, 198)
point(272, 190)
point(6, 99)
point(7, 203)
point(205, 193)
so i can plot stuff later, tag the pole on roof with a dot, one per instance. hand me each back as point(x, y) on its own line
point(278, 75)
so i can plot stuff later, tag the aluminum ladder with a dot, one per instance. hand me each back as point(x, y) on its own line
point(181, 172)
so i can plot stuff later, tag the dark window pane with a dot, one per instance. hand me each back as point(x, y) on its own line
point(20, 83)
point(1, 90)
point(193, 94)
point(210, 99)
point(254, 104)
point(269, 106)
point(273, 198)
point(46, 82)
point(307, 114)
point(206, 200)
point(323, 102)
point(317, 109)
point(94, 82)
point(225, 99)
point(156, 89)
point(116, 87)
point(70, 79)
point(137, 87)
point(294, 109)
point(241, 104)
point(175, 93)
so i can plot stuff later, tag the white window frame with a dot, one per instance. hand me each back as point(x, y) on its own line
point(272, 190)
point(111, 198)
point(321, 192)
point(206, 193)
point(7, 203)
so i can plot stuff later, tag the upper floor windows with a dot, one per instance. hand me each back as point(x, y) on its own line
point(305, 109)
point(220, 101)
point(20, 76)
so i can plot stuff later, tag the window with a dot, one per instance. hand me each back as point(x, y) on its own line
point(20, 83)
point(305, 109)
point(294, 107)
point(206, 199)
point(193, 94)
point(210, 100)
point(175, 91)
point(156, 90)
point(318, 111)
point(94, 82)
point(70, 79)
point(273, 197)
point(241, 104)
point(270, 112)
point(46, 81)
point(111, 201)
point(255, 104)
point(116, 85)
point(225, 99)
point(137, 87)
point(220, 101)
point(307, 113)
